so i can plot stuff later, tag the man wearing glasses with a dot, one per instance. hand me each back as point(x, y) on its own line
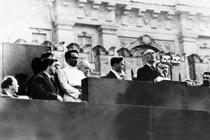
point(42, 85)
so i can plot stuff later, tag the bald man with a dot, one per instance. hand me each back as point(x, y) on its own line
point(84, 66)
point(149, 71)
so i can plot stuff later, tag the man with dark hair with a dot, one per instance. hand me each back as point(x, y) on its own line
point(117, 68)
point(47, 55)
point(70, 77)
point(42, 85)
point(10, 87)
point(35, 65)
point(149, 71)
point(206, 79)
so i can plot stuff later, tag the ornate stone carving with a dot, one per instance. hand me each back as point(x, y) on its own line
point(87, 10)
point(161, 20)
point(124, 52)
point(126, 41)
point(98, 50)
point(118, 16)
point(206, 59)
point(143, 42)
point(112, 50)
point(101, 12)
point(203, 42)
point(132, 17)
point(147, 18)
point(167, 46)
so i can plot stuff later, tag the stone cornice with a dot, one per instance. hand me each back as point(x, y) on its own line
point(142, 5)
point(136, 13)
point(187, 37)
point(65, 26)
point(108, 29)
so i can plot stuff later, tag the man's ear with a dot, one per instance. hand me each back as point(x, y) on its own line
point(48, 67)
point(10, 86)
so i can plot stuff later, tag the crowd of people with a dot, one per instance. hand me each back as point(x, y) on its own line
point(51, 82)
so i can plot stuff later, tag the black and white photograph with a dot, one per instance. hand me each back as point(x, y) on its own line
point(105, 69)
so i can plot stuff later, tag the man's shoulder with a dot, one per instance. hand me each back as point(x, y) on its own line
point(75, 71)
point(110, 75)
point(39, 76)
point(143, 68)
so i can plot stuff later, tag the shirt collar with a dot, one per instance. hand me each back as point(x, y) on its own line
point(116, 74)
point(150, 64)
point(70, 67)
point(47, 75)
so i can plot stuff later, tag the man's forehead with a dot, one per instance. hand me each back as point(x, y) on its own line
point(74, 55)
point(56, 64)
point(206, 75)
point(149, 51)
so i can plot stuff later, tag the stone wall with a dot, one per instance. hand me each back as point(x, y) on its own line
point(181, 27)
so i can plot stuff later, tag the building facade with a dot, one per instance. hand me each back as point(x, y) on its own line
point(171, 26)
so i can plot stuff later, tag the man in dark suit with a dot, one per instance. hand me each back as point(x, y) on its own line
point(206, 79)
point(149, 72)
point(43, 86)
point(116, 71)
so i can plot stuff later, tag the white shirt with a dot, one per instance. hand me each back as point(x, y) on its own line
point(151, 65)
point(69, 77)
point(118, 75)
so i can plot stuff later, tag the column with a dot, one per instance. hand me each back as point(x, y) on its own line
point(108, 36)
point(187, 41)
point(64, 32)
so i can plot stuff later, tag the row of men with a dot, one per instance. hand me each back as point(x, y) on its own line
point(52, 83)
point(49, 82)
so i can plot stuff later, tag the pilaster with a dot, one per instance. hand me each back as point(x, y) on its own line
point(108, 36)
point(187, 41)
point(64, 32)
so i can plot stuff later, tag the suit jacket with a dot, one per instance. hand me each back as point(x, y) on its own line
point(43, 88)
point(110, 75)
point(146, 73)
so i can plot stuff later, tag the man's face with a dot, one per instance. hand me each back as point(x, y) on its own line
point(164, 69)
point(53, 68)
point(120, 67)
point(150, 56)
point(85, 69)
point(206, 78)
point(73, 59)
point(14, 87)
point(57, 66)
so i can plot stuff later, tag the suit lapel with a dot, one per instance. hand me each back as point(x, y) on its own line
point(113, 75)
point(51, 84)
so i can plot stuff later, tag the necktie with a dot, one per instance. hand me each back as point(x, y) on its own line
point(53, 82)
point(152, 67)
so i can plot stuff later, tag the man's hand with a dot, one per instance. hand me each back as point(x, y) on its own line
point(159, 78)
point(59, 98)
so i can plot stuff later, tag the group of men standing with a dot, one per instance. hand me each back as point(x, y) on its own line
point(149, 72)
point(49, 82)
point(59, 84)
point(52, 83)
